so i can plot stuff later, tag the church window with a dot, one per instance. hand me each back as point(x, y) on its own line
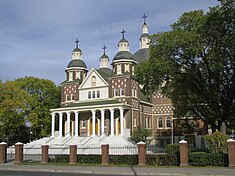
point(146, 122)
point(93, 81)
point(150, 124)
point(93, 94)
point(134, 122)
point(127, 68)
point(160, 122)
point(83, 124)
point(98, 94)
point(135, 94)
point(70, 76)
point(119, 69)
point(89, 95)
point(168, 122)
point(122, 92)
point(115, 92)
point(72, 97)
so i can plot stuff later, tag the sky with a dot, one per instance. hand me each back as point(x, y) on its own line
point(38, 37)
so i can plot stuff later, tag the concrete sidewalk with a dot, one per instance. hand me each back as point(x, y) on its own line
point(166, 171)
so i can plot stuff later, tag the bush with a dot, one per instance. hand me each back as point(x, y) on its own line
point(123, 159)
point(217, 142)
point(89, 159)
point(172, 149)
point(162, 160)
point(208, 159)
point(60, 159)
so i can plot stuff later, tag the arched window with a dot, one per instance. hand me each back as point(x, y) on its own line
point(89, 95)
point(122, 92)
point(168, 122)
point(93, 81)
point(93, 94)
point(116, 92)
point(98, 94)
point(160, 122)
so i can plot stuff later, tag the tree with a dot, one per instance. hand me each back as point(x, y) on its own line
point(13, 103)
point(140, 134)
point(194, 64)
point(44, 95)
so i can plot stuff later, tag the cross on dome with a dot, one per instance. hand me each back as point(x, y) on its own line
point(77, 41)
point(144, 17)
point(123, 33)
point(104, 47)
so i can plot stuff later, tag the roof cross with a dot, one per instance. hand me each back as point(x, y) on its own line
point(123, 33)
point(144, 17)
point(104, 47)
point(77, 41)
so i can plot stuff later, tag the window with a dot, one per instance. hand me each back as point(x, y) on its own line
point(168, 122)
point(115, 92)
point(146, 122)
point(127, 68)
point(119, 69)
point(68, 98)
point(89, 95)
point(70, 76)
point(93, 81)
point(160, 122)
point(98, 94)
point(83, 124)
point(93, 94)
point(134, 122)
point(72, 97)
point(122, 92)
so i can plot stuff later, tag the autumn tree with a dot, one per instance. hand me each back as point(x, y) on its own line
point(194, 64)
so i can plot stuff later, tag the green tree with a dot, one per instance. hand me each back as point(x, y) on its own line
point(140, 134)
point(13, 103)
point(44, 95)
point(194, 64)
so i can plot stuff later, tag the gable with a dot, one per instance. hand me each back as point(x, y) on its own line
point(92, 80)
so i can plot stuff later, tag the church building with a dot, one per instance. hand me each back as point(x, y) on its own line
point(108, 101)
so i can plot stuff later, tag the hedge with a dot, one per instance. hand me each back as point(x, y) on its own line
point(207, 159)
point(123, 159)
point(162, 160)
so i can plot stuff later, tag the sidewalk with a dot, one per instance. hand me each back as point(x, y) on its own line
point(157, 171)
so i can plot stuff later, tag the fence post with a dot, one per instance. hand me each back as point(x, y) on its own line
point(3, 152)
point(105, 154)
point(73, 154)
point(44, 153)
point(183, 153)
point(231, 152)
point(141, 153)
point(19, 152)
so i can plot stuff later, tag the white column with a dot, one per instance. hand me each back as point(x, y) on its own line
point(68, 124)
point(60, 124)
point(53, 124)
point(98, 127)
point(102, 121)
point(93, 122)
point(116, 124)
point(112, 121)
point(76, 124)
point(121, 121)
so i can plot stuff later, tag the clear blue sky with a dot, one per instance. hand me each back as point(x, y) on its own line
point(37, 37)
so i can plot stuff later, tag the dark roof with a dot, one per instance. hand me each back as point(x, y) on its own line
point(104, 56)
point(77, 50)
point(143, 97)
point(123, 55)
point(145, 35)
point(105, 72)
point(69, 82)
point(142, 55)
point(77, 63)
point(123, 40)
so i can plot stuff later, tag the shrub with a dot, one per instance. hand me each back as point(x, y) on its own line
point(140, 134)
point(60, 159)
point(172, 149)
point(217, 142)
point(89, 159)
point(207, 159)
point(162, 160)
point(123, 159)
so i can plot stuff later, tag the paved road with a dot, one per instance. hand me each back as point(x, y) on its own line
point(36, 170)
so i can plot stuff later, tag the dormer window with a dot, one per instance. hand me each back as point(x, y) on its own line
point(93, 94)
point(93, 81)
point(89, 95)
point(98, 94)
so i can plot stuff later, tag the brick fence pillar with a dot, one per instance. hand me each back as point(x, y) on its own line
point(73, 158)
point(105, 154)
point(3, 152)
point(141, 153)
point(19, 152)
point(44, 153)
point(183, 153)
point(231, 152)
